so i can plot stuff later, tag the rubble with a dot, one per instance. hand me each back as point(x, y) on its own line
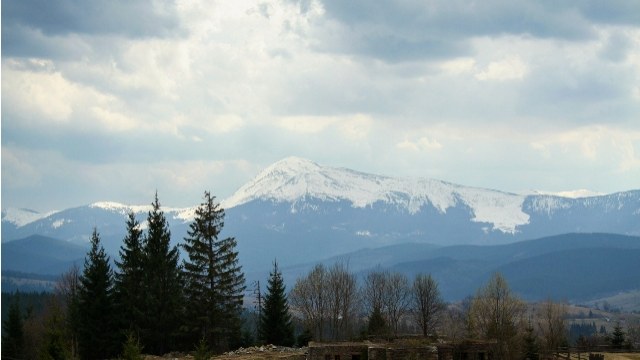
point(265, 349)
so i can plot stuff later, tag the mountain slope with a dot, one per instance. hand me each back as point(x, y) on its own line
point(296, 180)
point(299, 211)
point(41, 254)
point(575, 267)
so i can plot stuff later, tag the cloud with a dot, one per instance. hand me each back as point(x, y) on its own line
point(508, 69)
point(422, 144)
point(130, 18)
point(502, 94)
point(414, 30)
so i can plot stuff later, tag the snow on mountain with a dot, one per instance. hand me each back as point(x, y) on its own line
point(184, 214)
point(21, 217)
point(293, 179)
point(571, 194)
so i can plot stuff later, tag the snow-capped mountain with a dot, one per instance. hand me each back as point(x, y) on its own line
point(294, 179)
point(299, 211)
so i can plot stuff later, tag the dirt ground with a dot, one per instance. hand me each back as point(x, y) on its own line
point(609, 356)
point(268, 352)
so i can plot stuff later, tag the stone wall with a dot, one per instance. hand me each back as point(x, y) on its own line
point(338, 351)
point(370, 351)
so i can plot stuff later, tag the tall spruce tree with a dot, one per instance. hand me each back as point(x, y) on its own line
point(13, 331)
point(95, 307)
point(214, 282)
point(129, 280)
point(275, 320)
point(162, 285)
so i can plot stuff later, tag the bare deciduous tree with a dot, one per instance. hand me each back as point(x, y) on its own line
point(373, 290)
point(396, 299)
point(68, 289)
point(496, 314)
point(327, 301)
point(342, 300)
point(427, 303)
point(551, 325)
point(309, 297)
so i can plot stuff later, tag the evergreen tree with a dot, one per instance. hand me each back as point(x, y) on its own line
point(275, 321)
point(129, 289)
point(13, 331)
point(132, 350)
point(55, 344)
point(530, 344)
point(377, 325)
point(162, 285)
point(617, 337)
point(96, 328)
point(214, 282)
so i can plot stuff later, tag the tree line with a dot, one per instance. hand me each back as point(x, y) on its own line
point(333, 306)
point(151, 301)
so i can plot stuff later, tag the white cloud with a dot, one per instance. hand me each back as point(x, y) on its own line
point(306, 124)
point(535, 101)
point(511, 68)
point(459, 66)
point(421, 144)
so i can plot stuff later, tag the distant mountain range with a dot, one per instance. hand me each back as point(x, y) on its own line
point(574, 267)
point(300, 212)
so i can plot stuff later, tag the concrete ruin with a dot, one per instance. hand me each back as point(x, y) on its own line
point(401, 350)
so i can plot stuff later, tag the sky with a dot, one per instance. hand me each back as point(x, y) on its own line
point(113, 100)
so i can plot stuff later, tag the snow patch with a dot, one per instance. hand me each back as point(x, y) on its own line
point(22, 217)
point(571, 194)
point(184, 214)
point(58, 223)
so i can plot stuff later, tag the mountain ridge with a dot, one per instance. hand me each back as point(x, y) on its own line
point(296, 180)
point(299, 208)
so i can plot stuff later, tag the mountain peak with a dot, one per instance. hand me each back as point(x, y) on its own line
point(294, 179)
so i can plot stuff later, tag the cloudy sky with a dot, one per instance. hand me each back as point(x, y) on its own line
point(111, 100)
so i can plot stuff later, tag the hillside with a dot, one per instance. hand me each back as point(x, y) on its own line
point(576, 267)
point(41, 255)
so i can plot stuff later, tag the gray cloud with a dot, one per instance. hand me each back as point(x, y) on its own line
point(30, 27)
point(129, 18)
point(615, 12)
point(414, 30)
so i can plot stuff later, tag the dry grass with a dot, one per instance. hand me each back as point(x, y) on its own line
point(622, 356)
point(607, 356)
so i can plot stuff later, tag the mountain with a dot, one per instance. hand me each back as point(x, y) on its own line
point(299, 211)
point(42, 255)
point(577, 267)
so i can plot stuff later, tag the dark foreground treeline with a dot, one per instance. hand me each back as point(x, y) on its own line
point(151, 303)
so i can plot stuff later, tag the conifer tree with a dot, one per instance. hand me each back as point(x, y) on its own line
point(617, 337)
point(214, 281)
point(55, 339)
point(530, 344)
point(129, 278)
point(13, 331)
point(377, 325)
point(162, 285)
point(275, 320)
point(96, 304)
